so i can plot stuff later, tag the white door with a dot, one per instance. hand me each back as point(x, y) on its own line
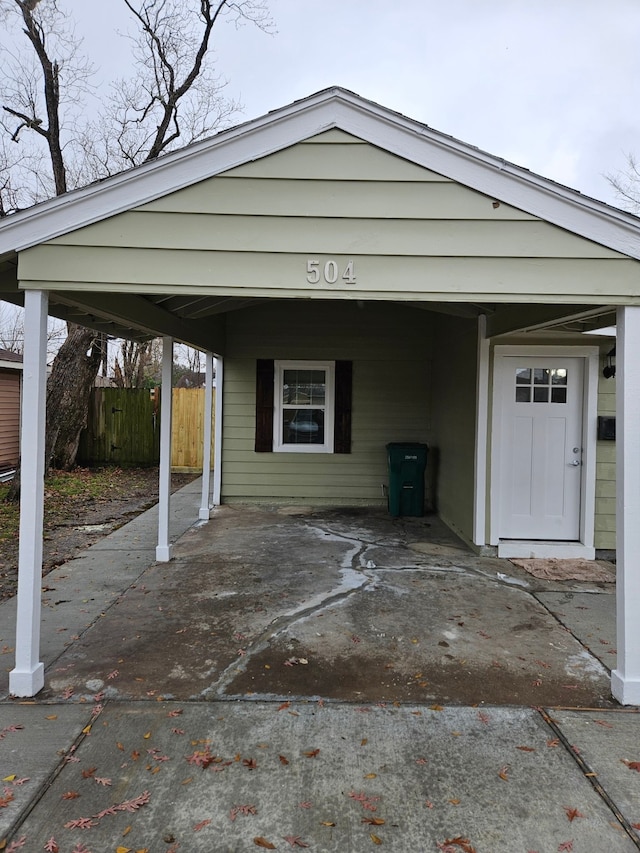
point(541, 447)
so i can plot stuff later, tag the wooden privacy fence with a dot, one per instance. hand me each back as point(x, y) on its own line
point(123, 428)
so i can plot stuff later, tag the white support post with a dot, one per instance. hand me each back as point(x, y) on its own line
point(27, 678)
point(217, 444)
point(163, 550)
point(482, 415)
point(625, 679)
point(205, 503)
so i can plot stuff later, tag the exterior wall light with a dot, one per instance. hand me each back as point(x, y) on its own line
point(609, 369)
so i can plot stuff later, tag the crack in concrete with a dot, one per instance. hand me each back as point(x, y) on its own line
point(353, 577)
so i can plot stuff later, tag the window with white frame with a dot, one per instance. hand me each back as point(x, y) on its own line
point(303, 412)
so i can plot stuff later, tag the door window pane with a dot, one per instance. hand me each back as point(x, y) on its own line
point(541, 385)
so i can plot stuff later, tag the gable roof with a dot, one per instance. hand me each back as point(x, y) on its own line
point(325, 110)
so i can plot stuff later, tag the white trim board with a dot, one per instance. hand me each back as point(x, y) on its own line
point(537, 549)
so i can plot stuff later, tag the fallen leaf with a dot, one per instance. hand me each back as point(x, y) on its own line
point(146, 735)
point(572, 814)
point(454, 801)
point(52, 846)
point(51, 717)
point(202, 824)
point(526, 748)
point(374, 821)
point(87, 774)
point(102, 781)
point(463, 843)
point(503, 773)
point(295, 840)
point(283, 760)
point(327, 823)
point(250, 763)
point(565, 847)
point(632, 765)
point(553, 742)
point(364, 741)
point(86, 730)
point(370, 776)
point(603, 723)
point(436, 708)
point(120, 746)
point(70, 795)
point(243, 809)
point(80, 823)
point(123, 850)
point(375, 838)
point(259, 841)
point(284, 706)
point(305, 804)
point(175, 713)
point(312, 753)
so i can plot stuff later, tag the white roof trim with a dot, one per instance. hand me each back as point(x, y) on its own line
point(332, 108)
point(10, 365)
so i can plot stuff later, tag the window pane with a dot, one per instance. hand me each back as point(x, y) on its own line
point(523, 375)
point(559, 376)
point(541, 395)
point(523, 395)
point(540, 376)
point(303, 387)
point(558, 395)
point(303, 426)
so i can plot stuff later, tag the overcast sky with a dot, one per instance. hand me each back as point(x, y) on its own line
point(551, 85)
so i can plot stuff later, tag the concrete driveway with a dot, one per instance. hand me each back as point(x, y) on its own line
point(331, 679)
point(350, 605)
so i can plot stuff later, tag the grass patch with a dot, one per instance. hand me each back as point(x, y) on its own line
point(9, 516)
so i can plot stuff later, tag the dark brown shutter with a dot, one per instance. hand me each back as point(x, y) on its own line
point(342, 427)
point(264, 405)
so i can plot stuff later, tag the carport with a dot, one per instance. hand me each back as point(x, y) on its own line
point(433, 293)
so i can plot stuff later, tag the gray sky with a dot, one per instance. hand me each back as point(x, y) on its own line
point(551, 85)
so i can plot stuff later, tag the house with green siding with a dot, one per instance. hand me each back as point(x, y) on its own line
point(365, 280)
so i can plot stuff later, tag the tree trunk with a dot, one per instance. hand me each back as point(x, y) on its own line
point(72, 377)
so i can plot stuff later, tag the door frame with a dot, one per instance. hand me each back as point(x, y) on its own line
point(540, 548)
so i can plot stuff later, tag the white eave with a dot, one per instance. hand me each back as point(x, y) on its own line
point(10, 365)
point(331, 108)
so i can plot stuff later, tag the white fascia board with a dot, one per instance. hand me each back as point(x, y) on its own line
point(332, 108)
point(10, 365)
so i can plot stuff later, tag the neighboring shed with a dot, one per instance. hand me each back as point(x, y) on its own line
point(10, 383)
point(363, 279)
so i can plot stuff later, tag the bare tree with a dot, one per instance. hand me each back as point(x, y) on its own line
point(626, 183)
point(12, 331)
point(129, 369)
point(173, 98)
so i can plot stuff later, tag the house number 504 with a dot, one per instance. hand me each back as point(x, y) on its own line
point(329, 272)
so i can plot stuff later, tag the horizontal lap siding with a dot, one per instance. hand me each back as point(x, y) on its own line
point(410, 233)
point(390, 351)
point(9, 417)
point(605, 522)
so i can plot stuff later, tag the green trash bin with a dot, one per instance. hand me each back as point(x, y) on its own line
point(407, 464)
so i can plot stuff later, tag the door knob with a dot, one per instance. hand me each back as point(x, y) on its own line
point(575, 463)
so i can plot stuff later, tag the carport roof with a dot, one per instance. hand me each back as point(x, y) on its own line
point(140, 317)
